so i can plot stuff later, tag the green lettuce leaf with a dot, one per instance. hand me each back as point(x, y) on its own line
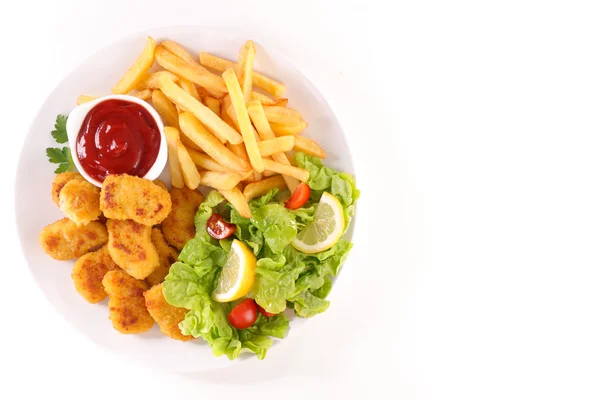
point(271, 224)
point(308, 305)
point(190, 283)
point(277, 224)
point(212, 199)
point(323, 178)
point(297, 277)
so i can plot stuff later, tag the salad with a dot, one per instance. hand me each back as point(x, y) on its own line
point(238, 275)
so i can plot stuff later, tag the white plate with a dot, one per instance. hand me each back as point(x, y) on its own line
point(35, 209)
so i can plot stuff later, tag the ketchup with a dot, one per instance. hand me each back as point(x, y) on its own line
point(117, 137)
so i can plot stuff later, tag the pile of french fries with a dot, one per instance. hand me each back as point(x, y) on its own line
point(227, 126)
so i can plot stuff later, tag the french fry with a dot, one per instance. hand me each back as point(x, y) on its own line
point(151, 80)
point(232, 117)
point(283, 130)
point(265, 100)
point(290, 158)
point(267, 84)
point(278, 145)
point(205, 162)
point(240, 151)
point(85, 99)
point(188, 143)
point(208, 93)
point(197, 133)
point(237, 199)
point(281, 102)
point(143, 94)
point(225, 106)
point(234, 122)
point(259, 119)
point(239, 106)
point(215, 124)
point(288, 170)
point(195, 73)
point(253, 177)
point(307, 146)
point(179, 51)
point(165, 108)
point(190, 88)
point(282, 115)
point(137, 72)
point(244, 69)
point(256, 111)
point(172, 135)
point(220, 180)
point(213, 104)
point(262, 187)
point(191, 176)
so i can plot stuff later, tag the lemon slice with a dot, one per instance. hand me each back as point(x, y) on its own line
point(237, 276)
point(325, 229)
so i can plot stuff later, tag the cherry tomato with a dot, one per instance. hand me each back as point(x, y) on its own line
point(218, 228)
point(264, 312)
point(299, 197)
point(243, 315)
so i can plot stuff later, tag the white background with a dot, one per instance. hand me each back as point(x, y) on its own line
point(474, 127)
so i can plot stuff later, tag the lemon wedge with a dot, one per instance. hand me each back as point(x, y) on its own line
point(237, 276)
point(325, 229)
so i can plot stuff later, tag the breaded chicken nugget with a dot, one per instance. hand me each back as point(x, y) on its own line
point(166, 254)
point(138, 199)
point(80, 201)
point(166, 316)
point(160, 183)
point(179, 227)
point(131, 248)
point(65, 240)
point(126, 303)
point(88, 273)
point(59, 182)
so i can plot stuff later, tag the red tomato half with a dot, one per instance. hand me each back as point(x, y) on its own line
point(218, 228)
point(264, 312)
point(243, 315)
point(299, 197)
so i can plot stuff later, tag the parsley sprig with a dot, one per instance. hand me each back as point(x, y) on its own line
point(59, 156)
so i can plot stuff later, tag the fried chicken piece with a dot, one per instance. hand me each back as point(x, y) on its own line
point(179, 227)
point(166, 254)
point(61, 180)
point(129, 197)
point(166, 316)
point(126, 303)
point(131, 248)
point(65, 240)
point(160, 183)
point(88, 272)
point(80, 201)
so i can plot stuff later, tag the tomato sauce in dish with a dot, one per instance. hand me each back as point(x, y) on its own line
point(118, 137)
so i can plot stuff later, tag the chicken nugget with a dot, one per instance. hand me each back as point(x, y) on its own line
point(131, 248)
point(166, 254)
point(126, 303)
point(166, 316)
point(179, 227)
point(129, 197)
point(65, 240)
point(88, 272)
point(161, 184)
point(59, 182)
point(80, 201)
